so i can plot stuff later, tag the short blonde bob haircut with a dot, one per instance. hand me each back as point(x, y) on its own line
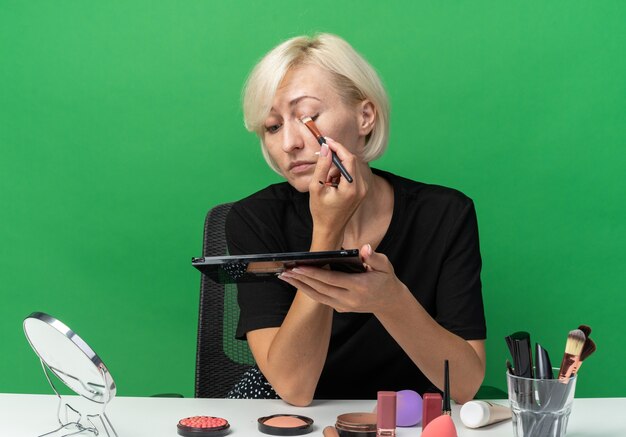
point(354, 79)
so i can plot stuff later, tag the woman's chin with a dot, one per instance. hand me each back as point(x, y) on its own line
point(302, 188)
point(300, 183)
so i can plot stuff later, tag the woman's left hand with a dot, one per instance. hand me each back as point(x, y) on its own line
point(370, 292)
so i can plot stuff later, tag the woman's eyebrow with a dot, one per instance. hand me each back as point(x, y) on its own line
point(295, 101)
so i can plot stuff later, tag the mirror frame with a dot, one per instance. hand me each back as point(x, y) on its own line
point(63, 329)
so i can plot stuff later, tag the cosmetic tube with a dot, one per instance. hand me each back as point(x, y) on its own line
point(386, 414)
point(431, 408)
point(543, 367)
point(476, 414)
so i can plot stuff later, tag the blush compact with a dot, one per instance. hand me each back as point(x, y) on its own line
point(356, 425)
point(199, 426)
point(285, 424)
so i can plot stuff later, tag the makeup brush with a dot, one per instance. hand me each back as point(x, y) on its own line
point(573, 348)
point(310, 124)
point(586, 330)
point(446, 390)
point(588, 349)
point(442, 426)
point(509, 367)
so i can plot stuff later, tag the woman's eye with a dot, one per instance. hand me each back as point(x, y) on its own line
point(312, 117)
point(273, 128)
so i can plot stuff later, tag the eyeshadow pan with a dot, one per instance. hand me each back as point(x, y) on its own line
point(198, 426)
point(285, 424)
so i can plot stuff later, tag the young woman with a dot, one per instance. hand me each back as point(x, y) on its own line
point(317, 333)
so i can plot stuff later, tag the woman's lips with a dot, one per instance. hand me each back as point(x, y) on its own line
point(301, 167)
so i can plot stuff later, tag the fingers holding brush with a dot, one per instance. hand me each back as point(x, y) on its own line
point(344, 161)
point(322, 167)
point(337, 161)
point(333, 199)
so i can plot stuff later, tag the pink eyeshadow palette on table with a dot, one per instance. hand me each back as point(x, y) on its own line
point(203, 426)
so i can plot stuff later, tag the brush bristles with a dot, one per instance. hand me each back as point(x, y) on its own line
point(590, 347)
point(575, 342)
point(586, 330)
point(509, 366)
point(305, 120)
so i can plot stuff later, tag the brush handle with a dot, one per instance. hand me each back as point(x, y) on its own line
point(310, 124)
point(335, 159)
point(446, 388)
point(567, 365)
point(341, 168)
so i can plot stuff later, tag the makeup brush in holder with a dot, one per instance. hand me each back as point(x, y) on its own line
point(588, 348)
point(574, 346)
point(540, 402)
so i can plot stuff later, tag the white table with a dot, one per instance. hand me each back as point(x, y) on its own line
point(31, 415)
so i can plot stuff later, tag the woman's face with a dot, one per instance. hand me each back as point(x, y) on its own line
point(308, 91)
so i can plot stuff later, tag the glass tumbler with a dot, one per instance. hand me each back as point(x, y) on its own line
point(541, 407)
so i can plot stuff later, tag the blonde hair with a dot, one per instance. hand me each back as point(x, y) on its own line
point(354, 79)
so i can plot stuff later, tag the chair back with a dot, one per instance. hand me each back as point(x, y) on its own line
point(221, 359)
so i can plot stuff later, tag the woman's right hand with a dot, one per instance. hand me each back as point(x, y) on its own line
point(332, 207)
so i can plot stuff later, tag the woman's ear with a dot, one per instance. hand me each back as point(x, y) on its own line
point(366, 117)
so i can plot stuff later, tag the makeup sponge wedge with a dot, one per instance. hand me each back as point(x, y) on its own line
point(442, 426)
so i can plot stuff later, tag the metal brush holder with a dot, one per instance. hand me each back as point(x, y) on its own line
point(63, 353)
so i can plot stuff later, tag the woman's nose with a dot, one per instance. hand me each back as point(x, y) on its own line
point(292, 136)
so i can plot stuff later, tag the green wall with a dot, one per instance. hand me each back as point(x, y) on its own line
point(120, 125)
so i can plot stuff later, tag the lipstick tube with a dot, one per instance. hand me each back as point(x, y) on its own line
point(431, 408)
point(386, 414)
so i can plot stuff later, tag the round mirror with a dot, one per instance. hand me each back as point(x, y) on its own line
point(69, 357)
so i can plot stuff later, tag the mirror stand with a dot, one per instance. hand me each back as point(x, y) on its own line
point(78, 425)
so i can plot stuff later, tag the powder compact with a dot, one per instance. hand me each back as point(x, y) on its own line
point(356, 425)
point(285, 424)
point(199, 426)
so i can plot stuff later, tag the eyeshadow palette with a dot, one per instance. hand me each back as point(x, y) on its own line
point(198, 426)
point(285, 424)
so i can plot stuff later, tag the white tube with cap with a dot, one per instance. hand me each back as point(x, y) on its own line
point(475, 414)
